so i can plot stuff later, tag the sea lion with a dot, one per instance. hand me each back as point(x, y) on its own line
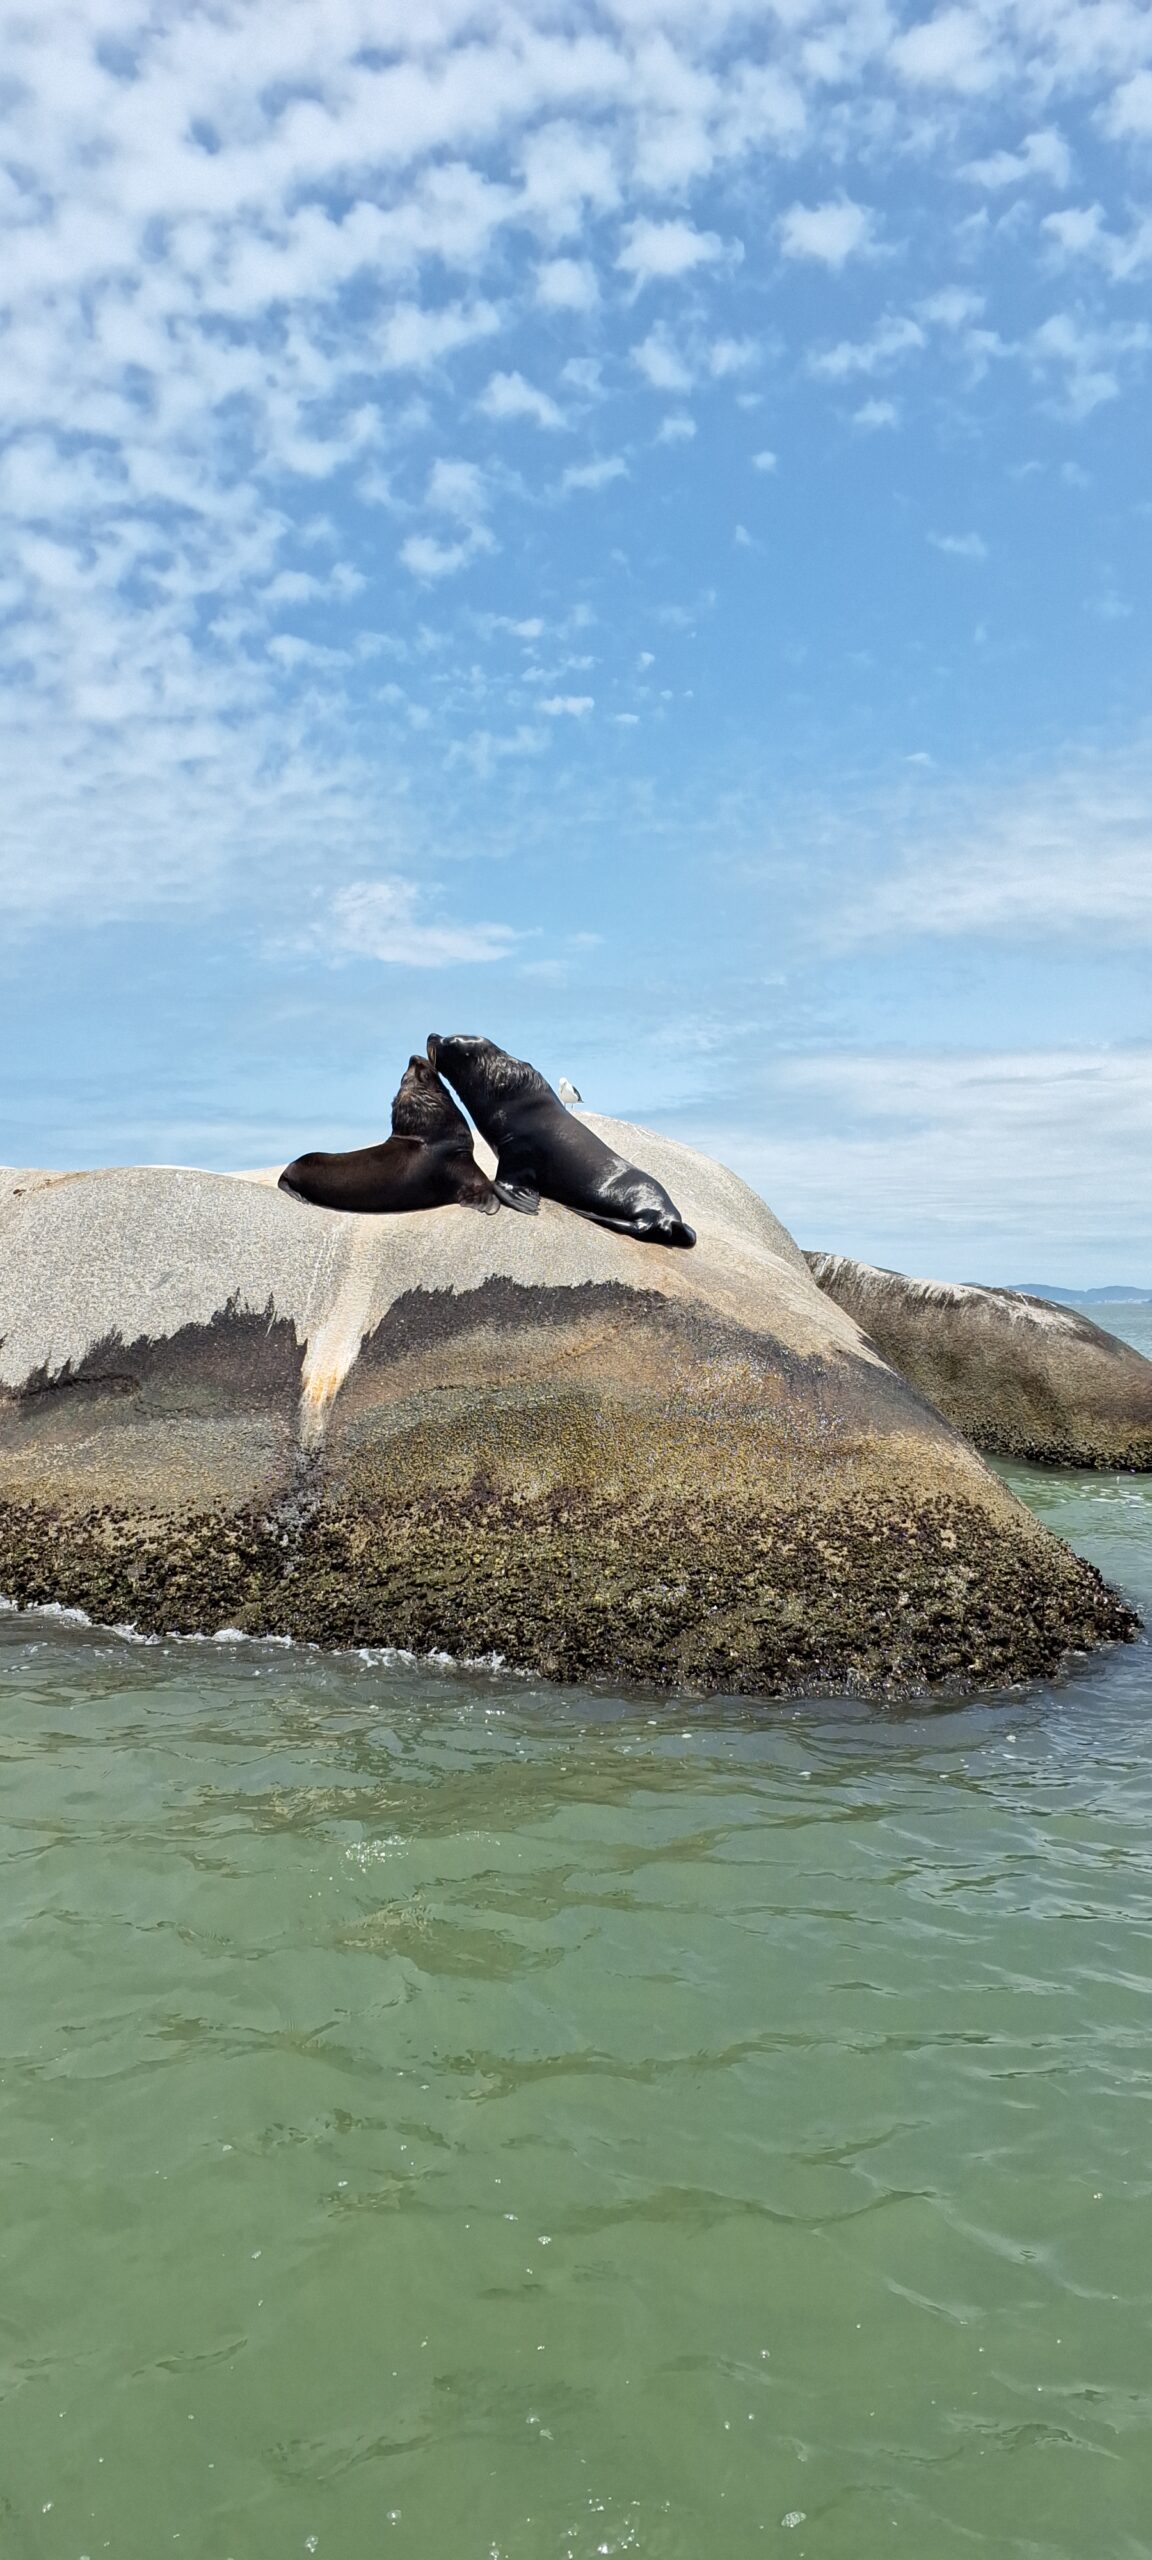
point(541, 1149)
point(427, 1163)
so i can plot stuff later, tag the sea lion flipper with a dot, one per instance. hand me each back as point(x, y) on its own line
point(519, 1195)
point(516, 1186)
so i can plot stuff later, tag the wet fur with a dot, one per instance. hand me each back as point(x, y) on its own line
point(542, 1151)
point(427, 1163)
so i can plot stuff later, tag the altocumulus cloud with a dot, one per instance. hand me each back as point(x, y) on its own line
point(829, 233)
point(315, 317)
point(667, 249)
point(249, 272)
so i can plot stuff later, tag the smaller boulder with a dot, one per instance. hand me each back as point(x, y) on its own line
point(1019, 1377)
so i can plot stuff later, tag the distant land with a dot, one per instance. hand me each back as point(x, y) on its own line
point(1081, 1297)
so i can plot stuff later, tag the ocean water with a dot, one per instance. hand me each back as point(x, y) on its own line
point(445, 2118)
point(1132, 1321)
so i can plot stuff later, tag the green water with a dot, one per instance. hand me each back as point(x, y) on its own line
point(449, 2119)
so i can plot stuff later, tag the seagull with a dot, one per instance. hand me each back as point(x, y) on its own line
point(567, 1092)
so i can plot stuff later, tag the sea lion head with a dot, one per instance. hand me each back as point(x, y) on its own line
point(418, 1073)
point(424, 1108)
point(479, 1071)
point(447, 1049)
point(664, 1226)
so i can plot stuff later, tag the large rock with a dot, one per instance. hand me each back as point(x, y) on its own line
point(513, 1436)
point(1020, 1377)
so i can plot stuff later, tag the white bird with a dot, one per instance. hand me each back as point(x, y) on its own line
point(567, 1092)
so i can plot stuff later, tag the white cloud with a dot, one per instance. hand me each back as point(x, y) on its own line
point(1064, 347)
point(960, 546)
point(661, 363)
point(272, 254)
point(572, 706)
point(764, 461)
point(166, 802)
point(413, 339)
point(950, 51)
point(457, 489)
point(585, 375)
point(829, 233)
point(1130, 112)
point(567, 173)
point(508, 395)
point(874, 414)
point(526, 627)
point(677, 428)
point(766, 104)
point(955, 306)
point(430, 559)
point(292, 586)
point(1039, 857)
point(301, 586)
point(596, 475)
point(1044, 154)
point(891, 340)
point(728, 356)
point(1080, 231)
point(380, 920)
point(662, 250)
point(957, 1164)
point(1082, 362)
point(567, 284)
point(485, 750)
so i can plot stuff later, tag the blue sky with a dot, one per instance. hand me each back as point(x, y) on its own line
point(623, 528)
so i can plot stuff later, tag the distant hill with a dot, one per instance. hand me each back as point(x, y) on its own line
point(1080, 1297)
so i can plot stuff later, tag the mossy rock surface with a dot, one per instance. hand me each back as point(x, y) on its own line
point(1021, 1378)
point(512, 1437)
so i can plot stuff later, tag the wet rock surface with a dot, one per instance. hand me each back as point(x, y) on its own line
point(1021, 1378)
point(509, 1436)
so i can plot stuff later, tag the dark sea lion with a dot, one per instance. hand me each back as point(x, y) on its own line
point(541, 1150)
point(427, 1163)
